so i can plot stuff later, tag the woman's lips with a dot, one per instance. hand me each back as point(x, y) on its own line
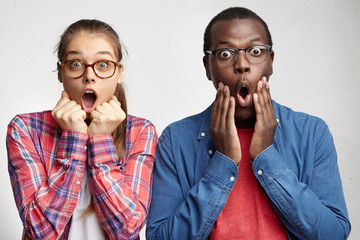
point(88, 100)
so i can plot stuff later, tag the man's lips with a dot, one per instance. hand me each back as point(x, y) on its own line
point(243, 94)
point(88, 100)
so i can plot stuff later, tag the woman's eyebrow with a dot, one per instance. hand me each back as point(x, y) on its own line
point(74, 52)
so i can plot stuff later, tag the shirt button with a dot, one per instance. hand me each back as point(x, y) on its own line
point(78, 182)
point(202, 134)
point(210, 151)
point(232, 178)
point(259, 172)
point(85, 147)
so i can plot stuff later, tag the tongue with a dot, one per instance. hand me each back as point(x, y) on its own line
point(88, 99)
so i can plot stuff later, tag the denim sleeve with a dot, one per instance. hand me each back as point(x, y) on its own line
point(179, 214)
point(315, 210)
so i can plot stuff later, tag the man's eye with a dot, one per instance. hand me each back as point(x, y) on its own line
point(225, 54)
point(256, 51)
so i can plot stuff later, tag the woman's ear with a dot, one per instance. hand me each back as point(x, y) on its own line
point(59, 72)
point(120, 68)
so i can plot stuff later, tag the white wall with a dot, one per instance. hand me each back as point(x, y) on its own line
point(316, 68)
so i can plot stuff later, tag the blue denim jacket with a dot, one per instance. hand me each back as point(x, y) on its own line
point(299, 173)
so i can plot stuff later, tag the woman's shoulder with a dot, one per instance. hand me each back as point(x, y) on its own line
point(138, 121)
point(138, 124)
point(33, 119)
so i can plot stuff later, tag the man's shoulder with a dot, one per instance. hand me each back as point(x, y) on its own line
point(188, 127)
point(191, 121)
point(287, 116)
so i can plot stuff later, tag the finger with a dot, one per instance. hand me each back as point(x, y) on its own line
point(103, 108)
point(95, 114)
point(230, 116)
point(114, 98)
point(263, 101)
point(79, 114)
point(65, 94)
point(215, 116)
point(258, 108)
point(116, 105)
point(268, 107)
point(70, 106)
point(224, 107)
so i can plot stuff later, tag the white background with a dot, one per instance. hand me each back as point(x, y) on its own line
point(316, 67)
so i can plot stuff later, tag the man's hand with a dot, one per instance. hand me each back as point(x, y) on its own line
point(69, 115)
point(222, 126)
point(106, 117)
point(266, 123)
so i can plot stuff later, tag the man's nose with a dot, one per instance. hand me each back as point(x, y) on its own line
point(242, 64)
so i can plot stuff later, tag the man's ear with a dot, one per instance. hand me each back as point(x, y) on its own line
point(120, 68)
point(272, 56)
point(206, 65)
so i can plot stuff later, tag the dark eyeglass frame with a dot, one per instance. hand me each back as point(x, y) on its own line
point(116, 64)
point(267, 47)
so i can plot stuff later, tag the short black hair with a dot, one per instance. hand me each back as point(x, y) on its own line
point(229, 14)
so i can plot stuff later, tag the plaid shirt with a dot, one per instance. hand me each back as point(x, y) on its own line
point(46, 167)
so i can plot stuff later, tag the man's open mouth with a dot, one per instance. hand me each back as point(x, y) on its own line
point(243, 95)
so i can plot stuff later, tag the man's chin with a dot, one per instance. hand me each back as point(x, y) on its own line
point(245, 118)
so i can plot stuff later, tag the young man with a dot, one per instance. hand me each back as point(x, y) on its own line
point(246, 167)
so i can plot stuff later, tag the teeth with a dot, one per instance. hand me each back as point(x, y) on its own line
point(89, 91)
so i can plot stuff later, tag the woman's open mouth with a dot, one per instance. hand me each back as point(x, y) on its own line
point(88, 100)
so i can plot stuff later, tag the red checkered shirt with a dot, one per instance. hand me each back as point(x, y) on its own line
point(46, 167)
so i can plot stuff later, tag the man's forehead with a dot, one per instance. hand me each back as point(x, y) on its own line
point(247, 29)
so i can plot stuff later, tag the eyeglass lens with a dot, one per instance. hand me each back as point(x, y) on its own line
point(254, 54)
point(103, 69)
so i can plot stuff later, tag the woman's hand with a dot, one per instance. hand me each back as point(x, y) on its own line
point(69, 115)
point(106, 117)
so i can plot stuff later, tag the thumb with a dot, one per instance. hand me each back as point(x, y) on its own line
point(64, 94)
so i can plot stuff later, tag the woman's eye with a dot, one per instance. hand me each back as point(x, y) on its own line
point(102, 64)
point(225, 54)
point(75, 64)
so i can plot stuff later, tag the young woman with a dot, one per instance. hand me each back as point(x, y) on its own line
point(84, 169)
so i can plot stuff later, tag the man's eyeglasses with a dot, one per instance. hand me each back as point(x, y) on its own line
point(254, 54)
point(76, 68)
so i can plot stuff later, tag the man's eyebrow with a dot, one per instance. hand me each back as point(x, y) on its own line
point(255, 40)
point(250, 41)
